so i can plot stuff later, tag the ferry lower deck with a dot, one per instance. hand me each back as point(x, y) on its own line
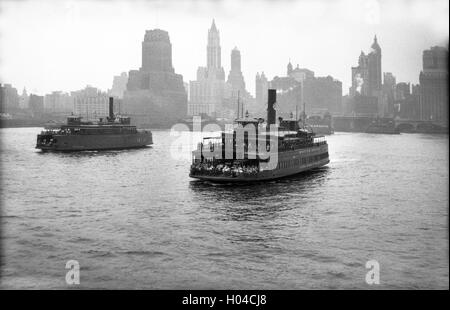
point(289, 163)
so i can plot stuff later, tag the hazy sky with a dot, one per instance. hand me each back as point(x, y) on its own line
point(65, 45)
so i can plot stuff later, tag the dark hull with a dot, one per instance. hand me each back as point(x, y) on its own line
point(277, 173)
point(262, 176)
point(74, 143)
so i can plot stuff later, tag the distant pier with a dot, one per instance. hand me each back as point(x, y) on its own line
point(361, 123)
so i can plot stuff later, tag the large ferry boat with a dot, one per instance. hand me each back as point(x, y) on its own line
point(106, 134)
point(258, 151)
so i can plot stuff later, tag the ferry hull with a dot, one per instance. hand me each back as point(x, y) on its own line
point(73, 143)
point(289, 163)
point(264, 175)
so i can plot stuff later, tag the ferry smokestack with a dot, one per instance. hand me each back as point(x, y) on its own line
point(271, 99)
point(111, 107)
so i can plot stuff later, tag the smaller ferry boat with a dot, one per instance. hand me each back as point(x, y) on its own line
point(320, 124)
point(76, 135)
point(258, 151)
point(383, 127)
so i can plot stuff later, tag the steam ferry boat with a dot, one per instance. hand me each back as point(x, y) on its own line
point(254, 151)
point(110, 134)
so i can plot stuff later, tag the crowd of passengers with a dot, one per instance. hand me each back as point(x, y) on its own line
point(224, 169)
point(56, 132)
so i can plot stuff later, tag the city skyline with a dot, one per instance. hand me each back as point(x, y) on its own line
point(93, 55)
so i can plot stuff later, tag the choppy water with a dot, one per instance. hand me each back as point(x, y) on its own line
point(134, 219)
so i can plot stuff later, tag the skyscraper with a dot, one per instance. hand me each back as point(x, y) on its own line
point(434, 85)
point(208, 90)
point(261, 87)
point(214, 51)
point(119, 85)
point(23, 100)
point(155, 94)
point(389, 87)
point(9, 99)
point(374, 67)
point(235, 77)
point(366, 77)
point(367, 83)
point(157, 52)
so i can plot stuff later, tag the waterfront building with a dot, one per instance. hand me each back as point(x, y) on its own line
point(319, 94)
point(406, 104)
point(90, 103)
point(24, 99)
point(36, 105)
point(119, 85)
point(9, 99)
point(389, 91)
point(58, 102)
point(155, 94)
point(3, 109)
point(402, 90)
point(434, 86)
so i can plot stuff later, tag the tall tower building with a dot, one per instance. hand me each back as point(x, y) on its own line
point(367, 76)
point(207, 91)
point(155, 94)
point(119, 85)
point(366, 89)
point(374, 66)
point(236, 60)
point(23, 100)
point(213, 48)
point(433, 79)
point(289, 68)
point(389, 91)
point(235, 78)
point(157, 51)
point(261, 87)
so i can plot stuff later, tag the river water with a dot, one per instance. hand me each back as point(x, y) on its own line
point(134, 219)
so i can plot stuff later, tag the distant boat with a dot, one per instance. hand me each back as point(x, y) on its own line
point(320, 124)
point(76, 135)
point(383, 127)
point(53, 124)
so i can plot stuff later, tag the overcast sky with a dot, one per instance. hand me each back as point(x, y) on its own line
point(65, 45)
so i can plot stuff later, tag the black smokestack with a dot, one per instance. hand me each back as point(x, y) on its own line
point(111, 108)
point(271, 99)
